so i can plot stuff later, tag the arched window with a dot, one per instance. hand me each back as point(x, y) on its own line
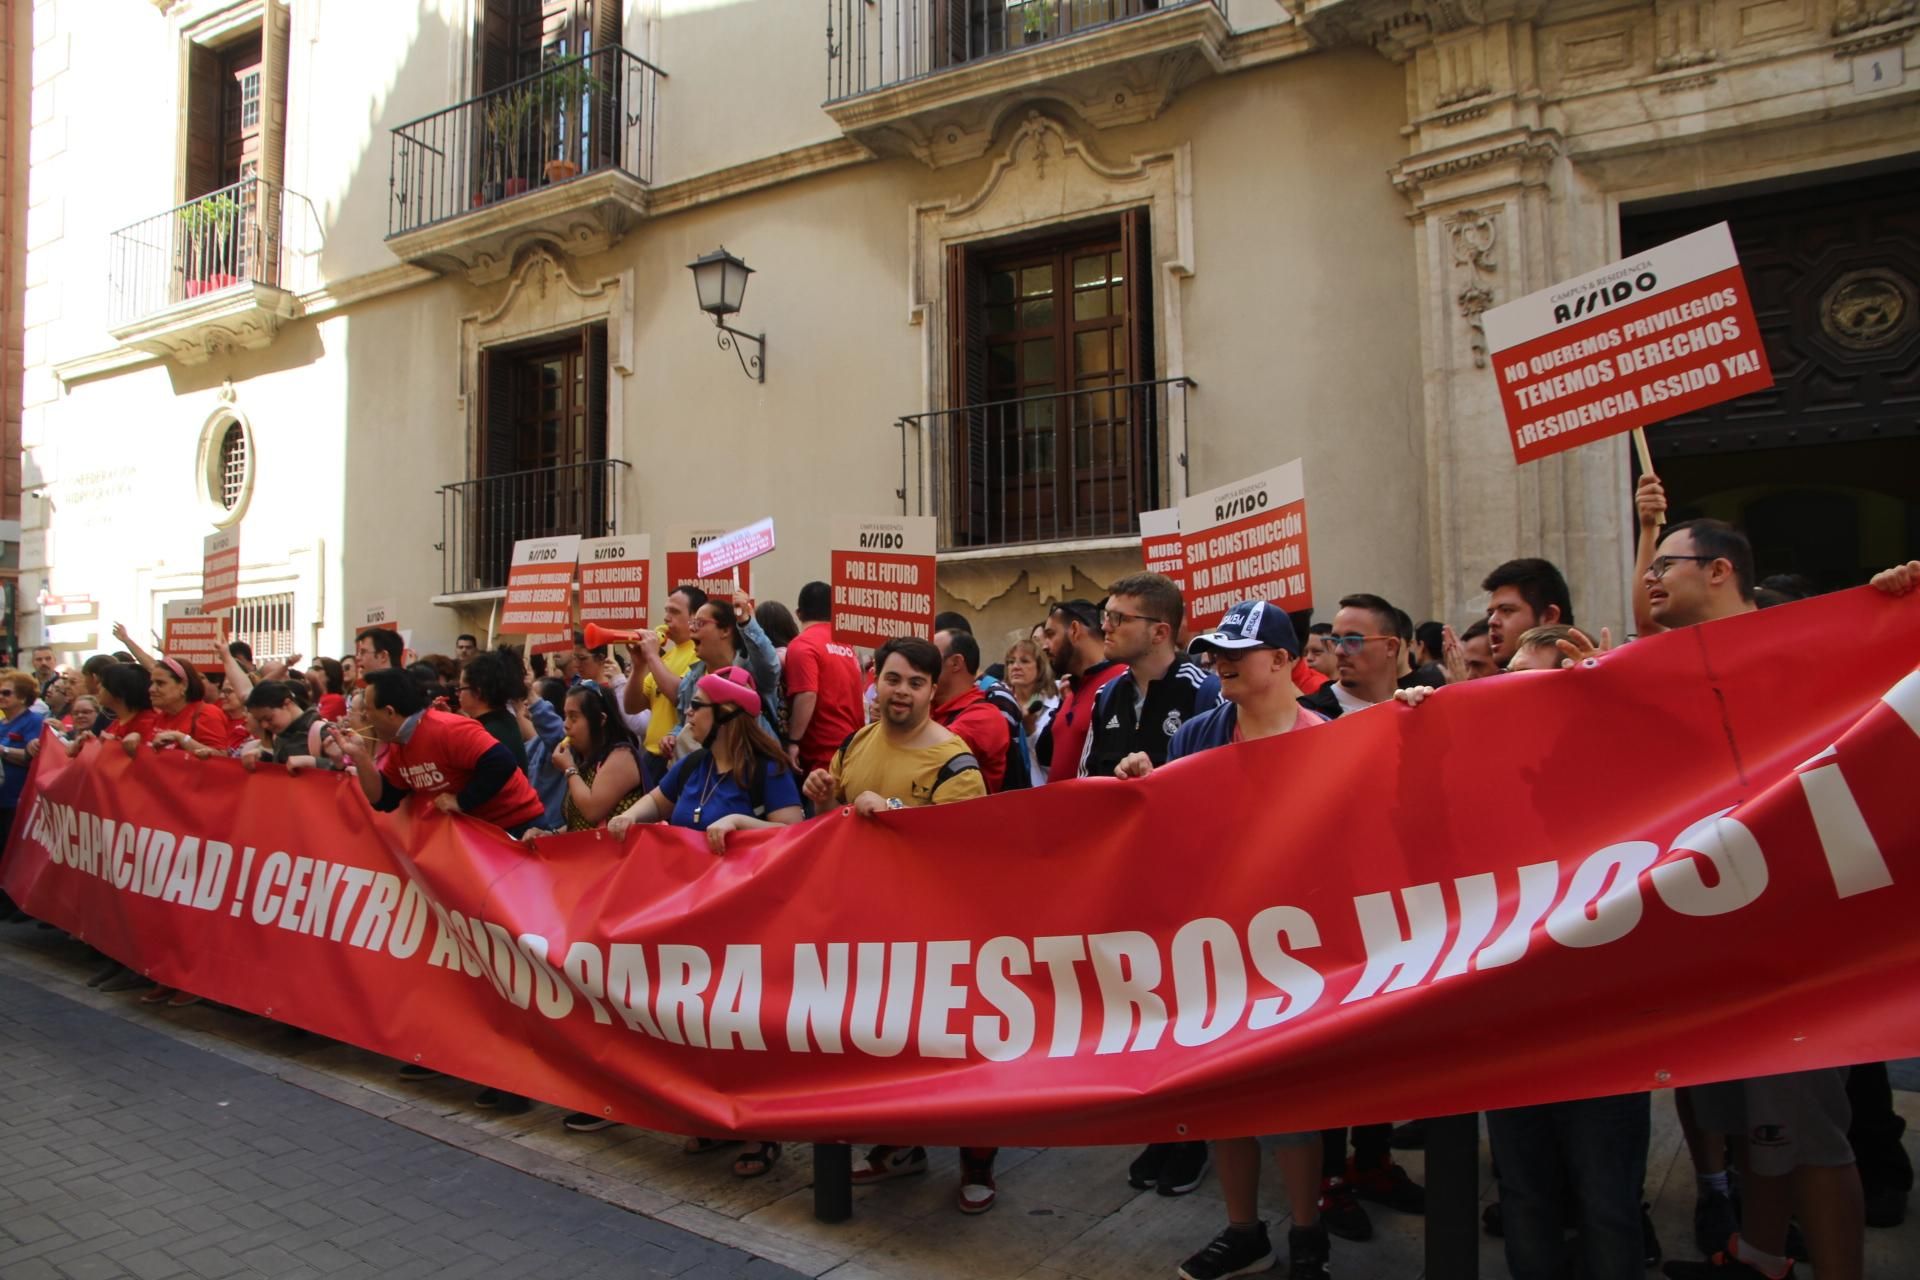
point(232, 466)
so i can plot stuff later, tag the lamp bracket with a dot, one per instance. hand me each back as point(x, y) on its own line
point(731, 339)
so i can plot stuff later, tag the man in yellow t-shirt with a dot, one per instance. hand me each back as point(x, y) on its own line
point(903, 760)
point(665, 655)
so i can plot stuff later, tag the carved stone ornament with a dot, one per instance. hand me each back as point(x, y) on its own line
point(1857, 15)
point(1868, 309)
point(1472, 233)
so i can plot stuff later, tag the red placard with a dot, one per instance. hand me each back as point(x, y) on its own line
point(1651, 337)
point(1247, 541)
point(220, 572)
point(540, 587)
point(196, 637)
point(614, 576)
point(1161, 549)
point(683, 565)
point(1723, 864)
point(384, 616)
point(883, 575)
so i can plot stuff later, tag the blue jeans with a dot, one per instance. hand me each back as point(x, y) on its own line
point(1580, 1164)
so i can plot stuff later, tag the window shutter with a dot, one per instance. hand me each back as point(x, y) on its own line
point(203, 121)
point(498, 384)
point(600, 503)
point(494, 53)
point(1136, 240)
point(965, 445)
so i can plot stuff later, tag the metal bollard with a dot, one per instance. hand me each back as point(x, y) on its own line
point(832, 1181)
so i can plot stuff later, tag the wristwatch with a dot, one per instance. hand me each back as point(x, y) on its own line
point(895, 802)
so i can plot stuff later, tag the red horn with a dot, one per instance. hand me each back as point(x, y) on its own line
point(597, 636)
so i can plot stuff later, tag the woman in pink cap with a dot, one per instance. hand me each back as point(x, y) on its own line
point(737, 779)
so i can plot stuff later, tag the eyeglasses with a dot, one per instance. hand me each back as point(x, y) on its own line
point(1661, 564)
point(1352, 643)
point(1116, 618)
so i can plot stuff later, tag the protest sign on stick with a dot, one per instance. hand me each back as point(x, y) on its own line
point(220, 571)
point(732, 549)
point(1651, 337)
point(883, 572)
point(614, 576)
point(540, 586)
point(381, 616)
point(194, 636)
point(1247, 541)
point(683, 564)
point(1161, 549)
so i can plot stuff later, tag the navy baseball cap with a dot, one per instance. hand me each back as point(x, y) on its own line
point(1249, 625)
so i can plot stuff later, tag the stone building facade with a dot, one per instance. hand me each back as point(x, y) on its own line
point(389, 289)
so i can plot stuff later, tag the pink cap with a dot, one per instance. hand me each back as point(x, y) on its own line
point(731, 685)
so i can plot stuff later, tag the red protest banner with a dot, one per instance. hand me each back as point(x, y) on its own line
point(220, 571)
point(540, 587)
point(1731, 896)
point(1161, 549)
point(1247, 541)
point(1648, 338)
point(194, 636)
point(683, 564)
point(717, 555)
point(883, 574)
point(613, 581)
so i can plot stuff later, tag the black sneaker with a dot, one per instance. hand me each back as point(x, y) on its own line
point(489, 1099)
point(1714, 1219)
point(1232, 1253)
point(1308, 1250)
point(1340, 1211)
point(1145, 1169)
point(1493, 1221)
point(417, 1071)
point(1649, 1238)
point(112, 969)
point(512, 1104)
point(1886, 1206)
point(588, 1122)
point(1388, 1185)
point(1185, 1164)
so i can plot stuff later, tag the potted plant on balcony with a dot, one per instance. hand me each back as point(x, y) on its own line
point(1036, 19)
point(506, 120)
point(572, 88)
point(212, 255)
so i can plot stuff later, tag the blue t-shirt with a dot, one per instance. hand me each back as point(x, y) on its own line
point(1215, 727)
point(691, 785)
point(15, 734)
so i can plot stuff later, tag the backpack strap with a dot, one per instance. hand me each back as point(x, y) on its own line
point(953, 768)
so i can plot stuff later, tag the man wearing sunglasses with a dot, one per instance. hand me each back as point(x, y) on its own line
point(1367, 643)
point(1077, 648)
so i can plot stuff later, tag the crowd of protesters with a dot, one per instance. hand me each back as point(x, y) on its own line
point(735, 715)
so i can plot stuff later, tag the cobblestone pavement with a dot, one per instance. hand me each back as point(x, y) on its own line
point(125, 1153)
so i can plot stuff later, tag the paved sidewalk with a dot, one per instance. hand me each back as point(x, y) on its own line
point(126, 1153)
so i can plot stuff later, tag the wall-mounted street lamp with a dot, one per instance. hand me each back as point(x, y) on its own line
point(721, 281)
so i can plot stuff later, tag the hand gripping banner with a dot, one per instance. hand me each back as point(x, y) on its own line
point(1692, 859)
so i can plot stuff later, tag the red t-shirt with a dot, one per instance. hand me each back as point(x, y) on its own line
point(1305, 678)
point(239, 732)
point(440, 756)
point(1070, 722)
point(816, 664)
point(984, 730)
point(143, 723)
point(202, 721)
point(333, 706)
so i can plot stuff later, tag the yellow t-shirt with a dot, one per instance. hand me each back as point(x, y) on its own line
point(914, 776)
point(666, 716)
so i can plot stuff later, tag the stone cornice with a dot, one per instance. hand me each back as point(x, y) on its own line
point(1526, 147)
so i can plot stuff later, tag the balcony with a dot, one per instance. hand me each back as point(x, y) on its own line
point(481, 519)
point(931, 78)
point(217, 273)
point(1071, 467)
point(563, 156)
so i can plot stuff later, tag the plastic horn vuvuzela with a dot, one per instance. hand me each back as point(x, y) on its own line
point(597, 636)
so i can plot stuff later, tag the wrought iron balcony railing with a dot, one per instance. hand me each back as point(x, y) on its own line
point(481, 519)
point(1066, 467)
point(253, 232)
point(872, 44)
point(590, 114)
